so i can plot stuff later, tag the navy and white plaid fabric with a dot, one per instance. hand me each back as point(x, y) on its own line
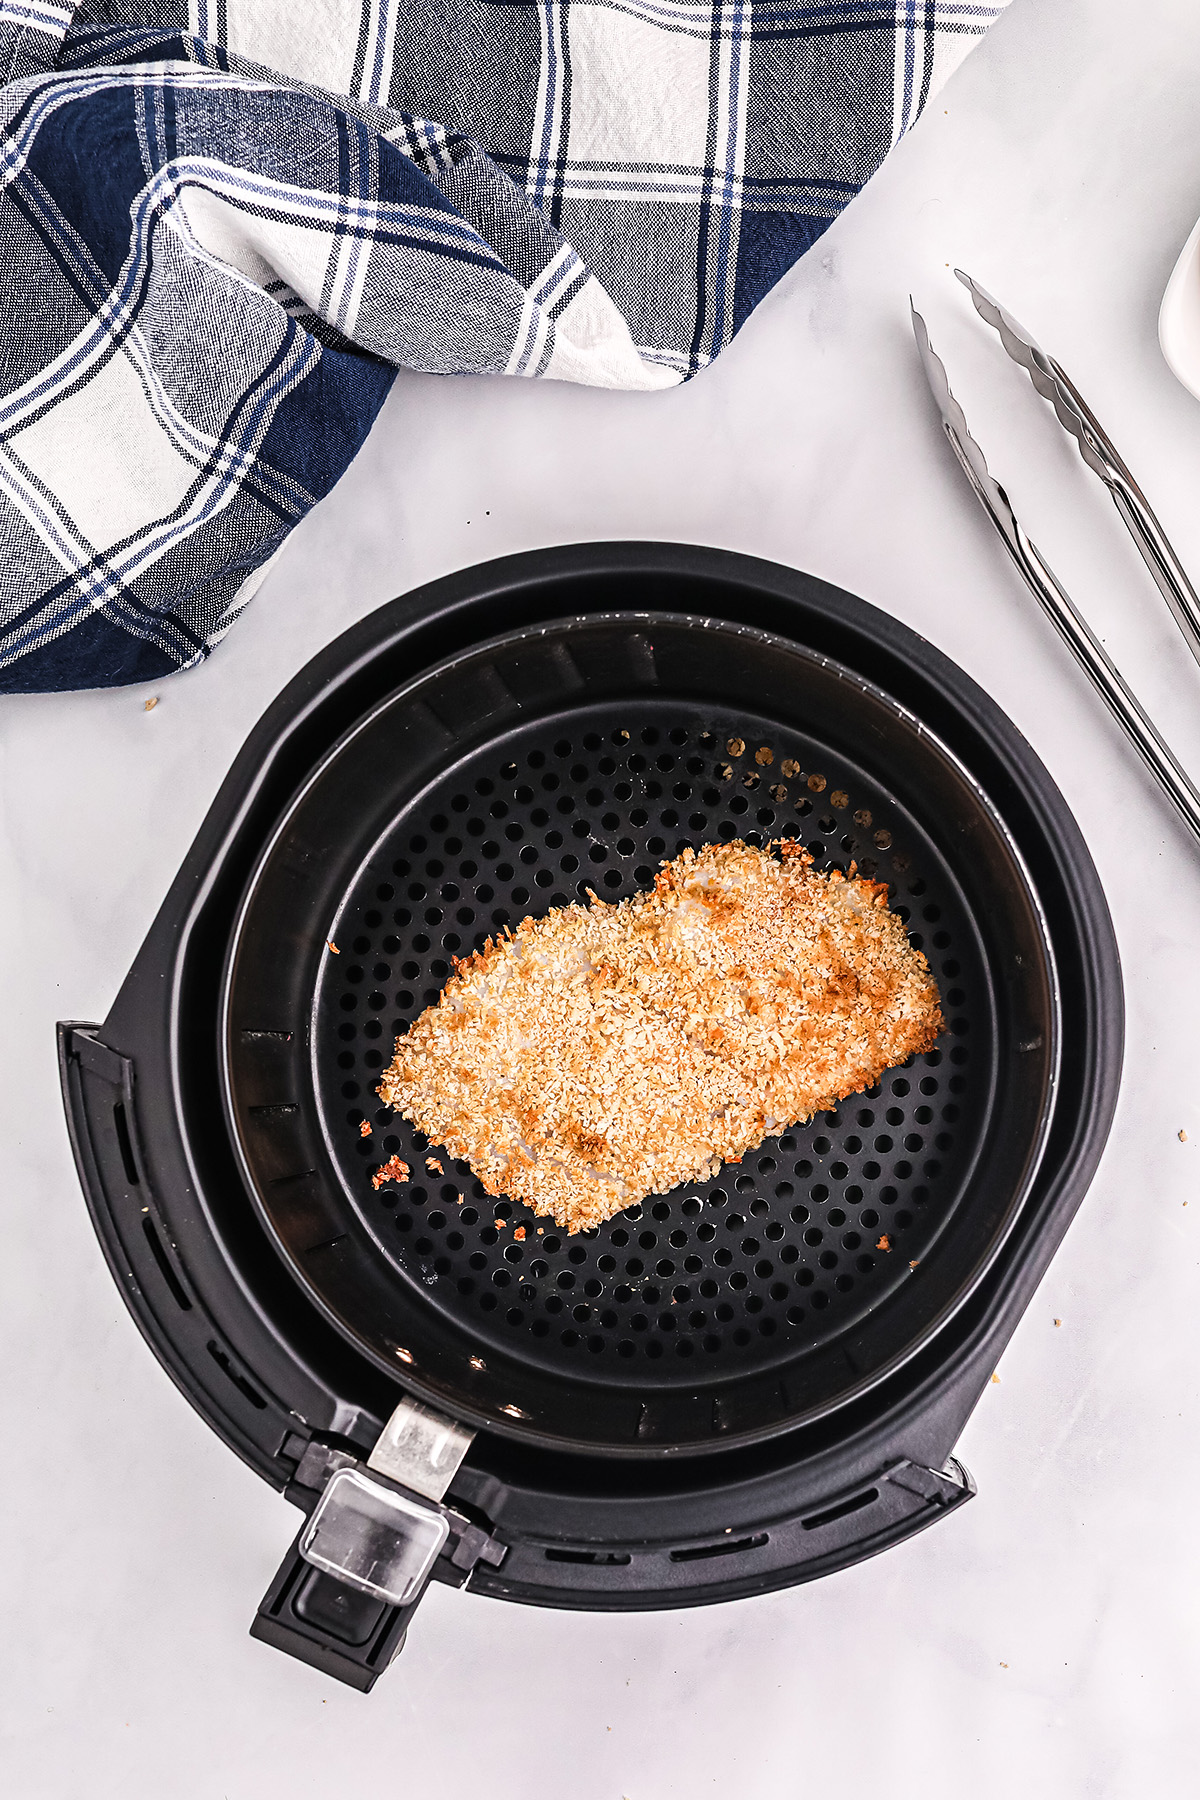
point(225, 223)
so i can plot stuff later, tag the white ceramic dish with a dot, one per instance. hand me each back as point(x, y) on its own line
point(1179, 316)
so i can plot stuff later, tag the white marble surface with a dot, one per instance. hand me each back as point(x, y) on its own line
point(1046, 1640)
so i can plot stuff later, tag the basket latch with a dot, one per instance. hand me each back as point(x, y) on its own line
point(376, 1535)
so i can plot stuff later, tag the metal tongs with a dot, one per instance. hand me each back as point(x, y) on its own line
point(1100, 455)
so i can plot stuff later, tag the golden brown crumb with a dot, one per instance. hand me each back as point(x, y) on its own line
point(151, 703)
point(790, 766)
point(764, 755)
point(392, 1170)
point(885, 1242)
point(330, 945)
point(364, 1129)
point(996, 1379)
point(434, 1166)
point(736, 747)
point(915, 1265)
point(1183, 1137)
point(1058, 1321)
point(607, 1052)
point(519, 1234)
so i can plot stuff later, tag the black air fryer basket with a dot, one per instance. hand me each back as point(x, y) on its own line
point(738, 1385)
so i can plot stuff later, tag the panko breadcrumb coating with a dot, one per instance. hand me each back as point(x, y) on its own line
point(607, 1052)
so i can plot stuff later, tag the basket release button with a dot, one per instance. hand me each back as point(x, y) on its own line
point(373, 1538)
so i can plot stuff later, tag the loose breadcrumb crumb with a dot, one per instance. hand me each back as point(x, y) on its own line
point(364, 1129)
point(392, 1170)
point(434, 1166)
point(611, 1051)
point(330, 945)
point(885, 1242)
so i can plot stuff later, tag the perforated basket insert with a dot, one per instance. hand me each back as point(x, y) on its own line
point(763, 1285)
point(792, 1243)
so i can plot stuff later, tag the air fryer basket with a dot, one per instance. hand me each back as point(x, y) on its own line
point(515, 777)
point(295, 1306)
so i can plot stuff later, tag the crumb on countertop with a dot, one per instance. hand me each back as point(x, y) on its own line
point(151, 703)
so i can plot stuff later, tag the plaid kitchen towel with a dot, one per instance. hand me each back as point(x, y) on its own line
point(224, 224)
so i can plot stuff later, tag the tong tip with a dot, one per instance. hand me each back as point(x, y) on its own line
point(954, 423)
point(987, 305)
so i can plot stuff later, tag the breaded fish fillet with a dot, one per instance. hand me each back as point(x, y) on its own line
point(607, 1052)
